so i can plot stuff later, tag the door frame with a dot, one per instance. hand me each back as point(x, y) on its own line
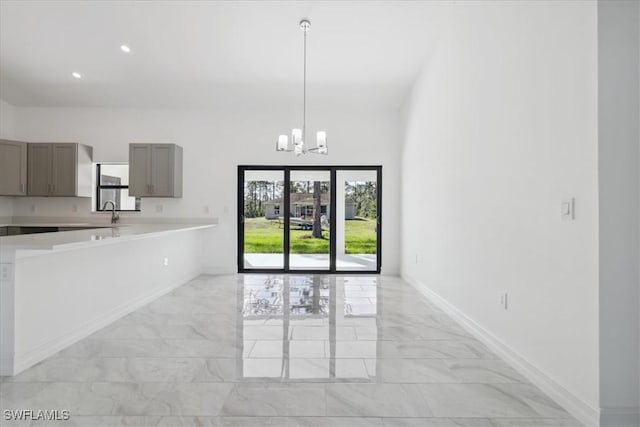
point(286, 211)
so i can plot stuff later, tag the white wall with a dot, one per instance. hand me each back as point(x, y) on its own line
point(500, 128)
point(7, 131)
point(215, 143)
point(6, 207)
point(618, 154)
point(7, 121)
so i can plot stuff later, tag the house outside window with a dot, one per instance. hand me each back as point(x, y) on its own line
point(113, 184)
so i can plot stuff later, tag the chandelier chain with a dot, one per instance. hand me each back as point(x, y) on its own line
point(304, 90)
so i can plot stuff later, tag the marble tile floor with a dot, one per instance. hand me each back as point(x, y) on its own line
point(292, 350)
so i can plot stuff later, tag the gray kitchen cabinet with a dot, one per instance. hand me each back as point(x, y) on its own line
point(39, 168)
point(139, 167)
point(13, 168)
point(59, 169)
point(155, 170)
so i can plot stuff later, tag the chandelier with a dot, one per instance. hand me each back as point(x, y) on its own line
point(298, 135)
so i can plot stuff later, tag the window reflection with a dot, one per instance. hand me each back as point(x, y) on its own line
point(309, 328)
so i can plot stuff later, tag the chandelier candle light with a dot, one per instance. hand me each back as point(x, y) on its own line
point(298, 135)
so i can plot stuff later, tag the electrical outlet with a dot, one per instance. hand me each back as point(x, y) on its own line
point(32, 208)
point(74, 208)
point(416, 258)
point(206, 210)
point(159, 208)
point(165, 261)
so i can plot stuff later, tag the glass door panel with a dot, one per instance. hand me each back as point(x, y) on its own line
point(262, 219)
point(357, 220)
point(310, 210)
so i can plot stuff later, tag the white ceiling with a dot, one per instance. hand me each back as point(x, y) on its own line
point(212, 53)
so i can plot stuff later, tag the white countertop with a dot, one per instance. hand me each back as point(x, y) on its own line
point(108, 234)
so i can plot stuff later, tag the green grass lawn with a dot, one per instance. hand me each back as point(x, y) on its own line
point(360, 236)
point(265, 236)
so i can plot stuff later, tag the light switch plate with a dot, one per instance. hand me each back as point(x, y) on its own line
point(567, 209)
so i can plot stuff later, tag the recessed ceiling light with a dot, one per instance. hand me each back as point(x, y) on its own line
point(76, 75)
point(125, 48)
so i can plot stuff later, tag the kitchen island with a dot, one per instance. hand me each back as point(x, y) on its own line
point(59, 287)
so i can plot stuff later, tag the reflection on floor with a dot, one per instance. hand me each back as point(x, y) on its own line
point(293, 350)
point(300, 328)
point(344, 262)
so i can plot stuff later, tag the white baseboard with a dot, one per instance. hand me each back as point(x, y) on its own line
point(51, 347)
point(577, 407)
point(219, 271)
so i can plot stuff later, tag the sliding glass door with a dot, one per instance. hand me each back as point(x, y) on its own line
point(309, 218)
point(309, 227)
point(261, 217)
point(357, 226)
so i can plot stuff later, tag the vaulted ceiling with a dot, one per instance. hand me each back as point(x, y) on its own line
point(212, 53)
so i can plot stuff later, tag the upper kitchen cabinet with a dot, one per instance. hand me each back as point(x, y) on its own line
point(155, 170)
point(59, 169)
point(13, 168)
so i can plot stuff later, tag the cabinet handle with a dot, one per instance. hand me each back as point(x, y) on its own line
point(151, 188)
point(21, 187)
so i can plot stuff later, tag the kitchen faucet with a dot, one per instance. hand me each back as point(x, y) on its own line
point(114, 216)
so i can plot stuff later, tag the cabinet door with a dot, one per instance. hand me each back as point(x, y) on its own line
point(39, 169)
point(139, 170)
point(13, 168)
point(64, 169)
point(162, 164)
